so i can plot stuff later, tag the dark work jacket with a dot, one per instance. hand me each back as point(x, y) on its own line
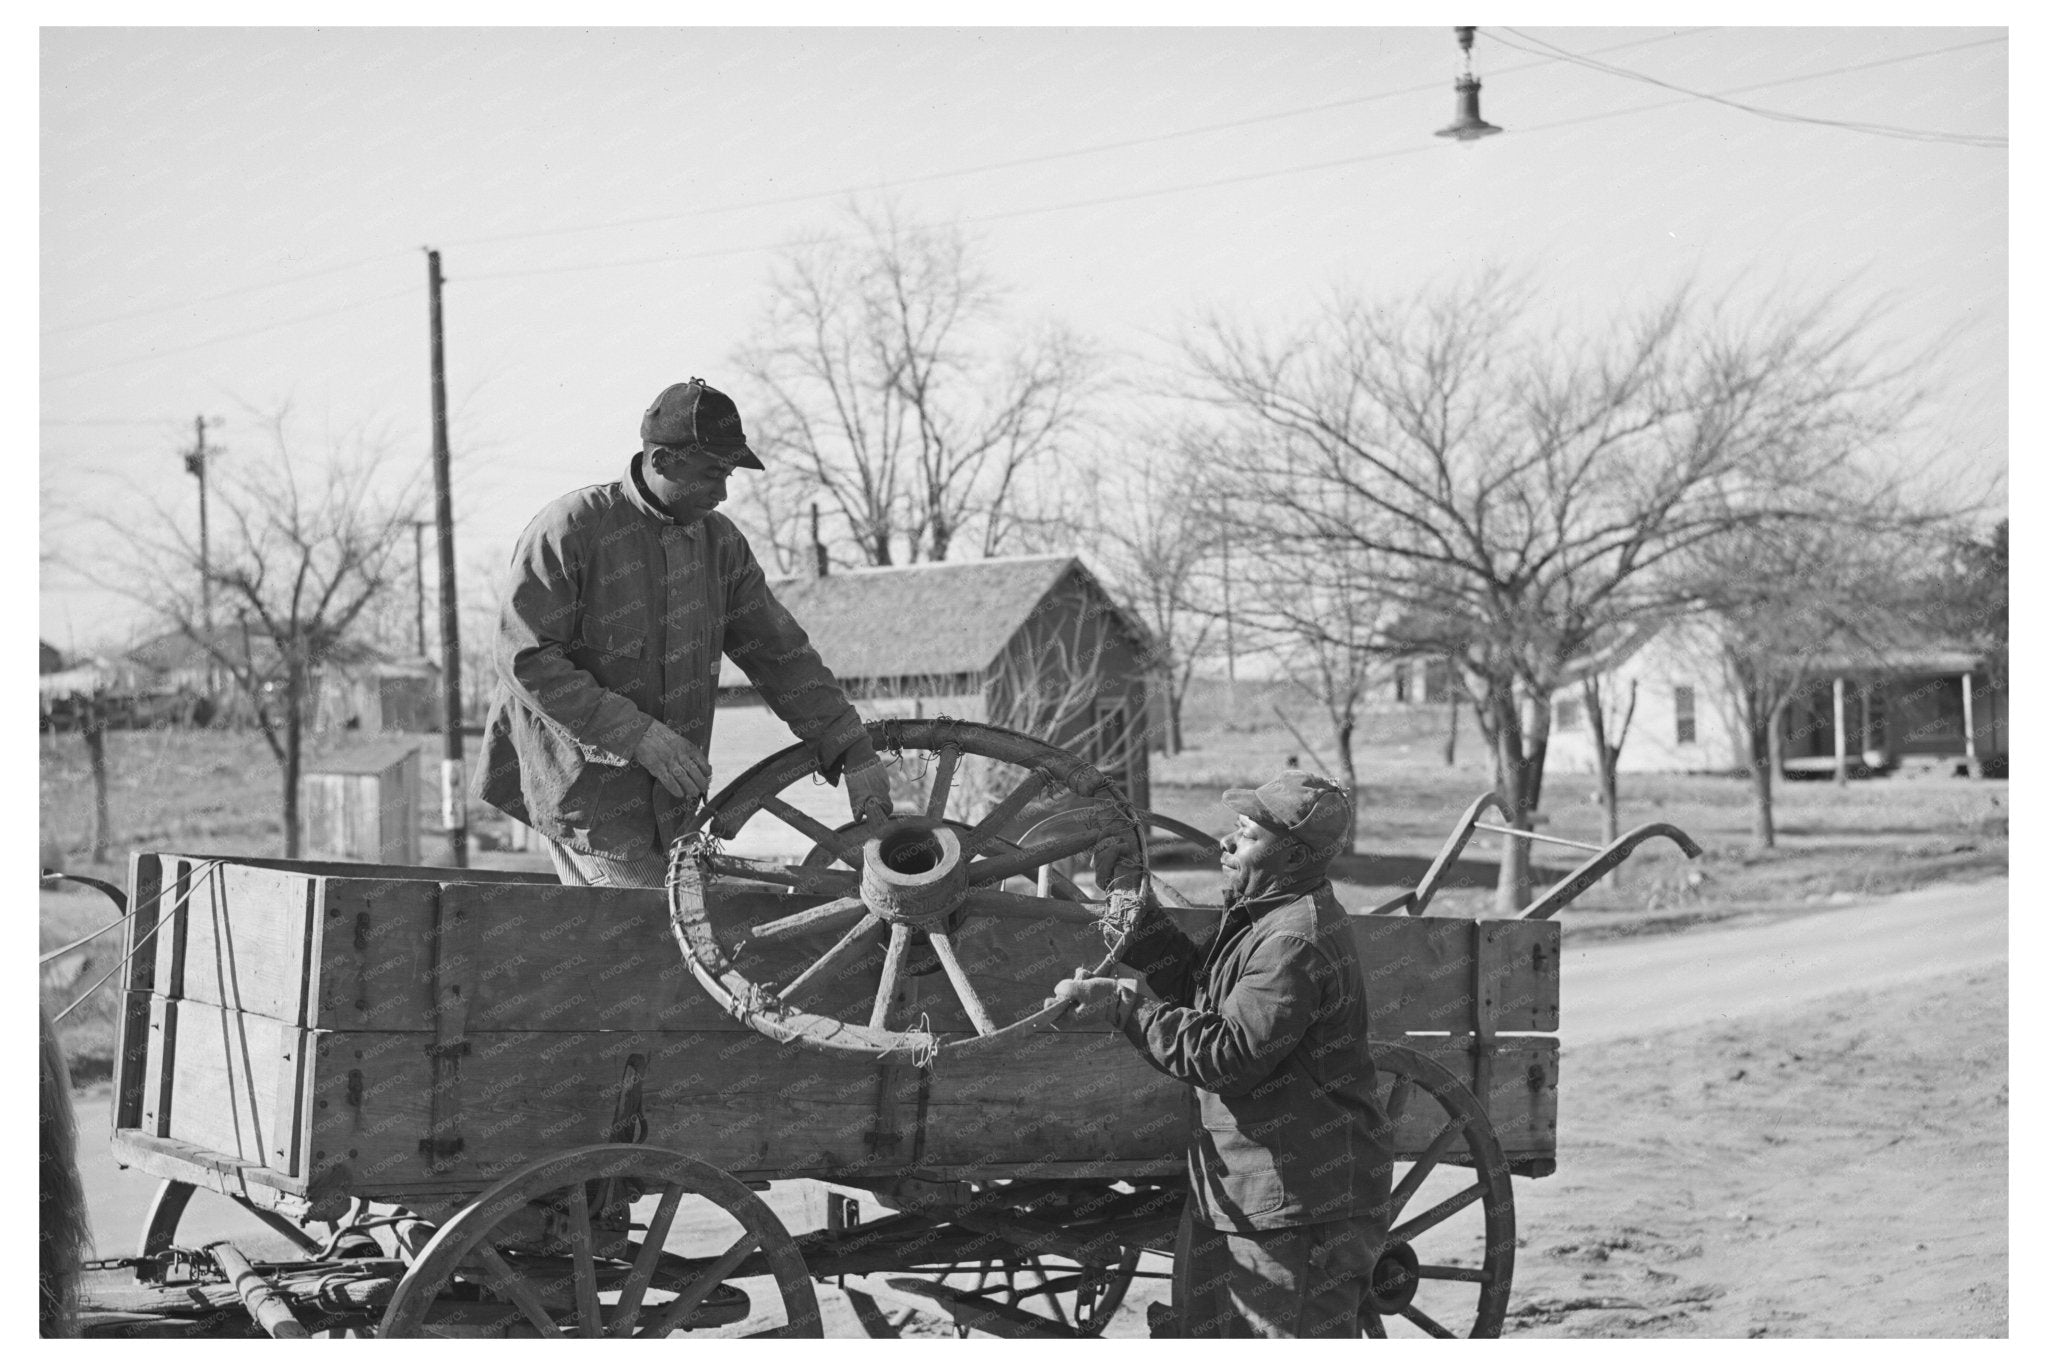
point(615, 616)
point(1267, 1022)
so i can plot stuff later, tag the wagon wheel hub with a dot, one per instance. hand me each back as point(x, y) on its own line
point(1394, 1279)
point(913, 872)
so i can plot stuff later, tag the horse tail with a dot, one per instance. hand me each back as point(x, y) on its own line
point(65, 1234)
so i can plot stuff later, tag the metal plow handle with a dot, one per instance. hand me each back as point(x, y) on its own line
point(1604, 862)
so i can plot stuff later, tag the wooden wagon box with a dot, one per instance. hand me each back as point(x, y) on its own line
point(305, 1031)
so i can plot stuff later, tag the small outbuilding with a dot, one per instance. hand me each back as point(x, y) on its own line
point(1032, 643)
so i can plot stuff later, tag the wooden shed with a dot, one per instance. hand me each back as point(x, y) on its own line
point(362, 805)
point(1033, 643)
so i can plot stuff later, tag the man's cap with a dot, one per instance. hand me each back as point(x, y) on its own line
point(1312, 810)
point(695, 414)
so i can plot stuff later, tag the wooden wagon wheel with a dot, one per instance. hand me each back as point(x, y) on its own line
point(569, 1264)
point(910, 880)
point(1432, 1256)
point(1417, 1283)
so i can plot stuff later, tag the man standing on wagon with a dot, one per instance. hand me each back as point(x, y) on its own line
point(622, 597)
point(1266, 1022)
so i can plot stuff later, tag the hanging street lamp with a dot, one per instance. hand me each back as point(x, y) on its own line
point(1467, 126)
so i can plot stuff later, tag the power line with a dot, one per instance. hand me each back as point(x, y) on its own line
point(1989, 140)
point(1543, 59)
point(1250, 176)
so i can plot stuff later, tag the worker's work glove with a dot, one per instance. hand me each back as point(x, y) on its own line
point(1104, 997)
point(675, 762)
point(867, 791)
point(1119, 866)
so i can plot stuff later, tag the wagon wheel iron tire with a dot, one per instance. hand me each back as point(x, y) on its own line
point(907, 877)
point(1401, 1285)
point(465, 1247)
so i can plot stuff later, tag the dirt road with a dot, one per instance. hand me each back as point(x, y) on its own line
point(1794, 1128)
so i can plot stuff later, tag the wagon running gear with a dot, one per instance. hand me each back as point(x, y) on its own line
point(695, 414)
point(1311, 810)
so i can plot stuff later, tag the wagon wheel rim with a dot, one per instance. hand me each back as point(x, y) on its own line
point(1416, 1284)
point(472, 1248)
point(913, 879)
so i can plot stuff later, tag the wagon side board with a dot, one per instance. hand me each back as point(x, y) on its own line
point(383, 1032)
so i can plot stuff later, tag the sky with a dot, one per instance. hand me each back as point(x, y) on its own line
point(234, 219)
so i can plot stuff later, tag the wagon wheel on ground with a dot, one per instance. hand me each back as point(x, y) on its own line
point(905, 886)
point(555, 1249)
point(1444, 1271)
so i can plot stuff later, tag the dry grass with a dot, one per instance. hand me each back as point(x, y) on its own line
point(1834, 844)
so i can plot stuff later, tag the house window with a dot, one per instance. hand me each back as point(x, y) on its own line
point(1682, 708)
point(1401, 682)
point(1436, 681)
point(1566, 715)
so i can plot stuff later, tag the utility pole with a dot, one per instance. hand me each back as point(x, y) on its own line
point(195, 465)
point(419, 585)
point(454, 799)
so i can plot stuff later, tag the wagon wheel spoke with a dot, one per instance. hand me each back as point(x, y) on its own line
point(892, 972)
point(1452, 1272)
point(589, 1321)
point(672, 1314)
point(836, 914)
point(942, 944)
point(634, 1291)
point(942, 781)
point(1426, 1322)
point(1005, 810)
point(1424, 1164)
point(1373, 1326)
point(516, 1287)
point(1397, 1098)
point(812, 881)
point(1052, 1296)
point(837, 955)
point(1423, 1222)
point(846, 850)
point(1035, 856)
point(986, 900)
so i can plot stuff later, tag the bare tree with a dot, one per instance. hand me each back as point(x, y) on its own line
point(1780, 602)
point(894, 385)
point(1523, 494)
point(1156, 543)
point(302, 544)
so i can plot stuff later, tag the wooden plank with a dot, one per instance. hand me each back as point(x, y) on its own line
point(225, 1084)
point(1522, 1101)
point(1059, 1097)
point(131, 1058)
point(734, 1099)
point(246, 941)
point(1419, 974)
point(207, 1169)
